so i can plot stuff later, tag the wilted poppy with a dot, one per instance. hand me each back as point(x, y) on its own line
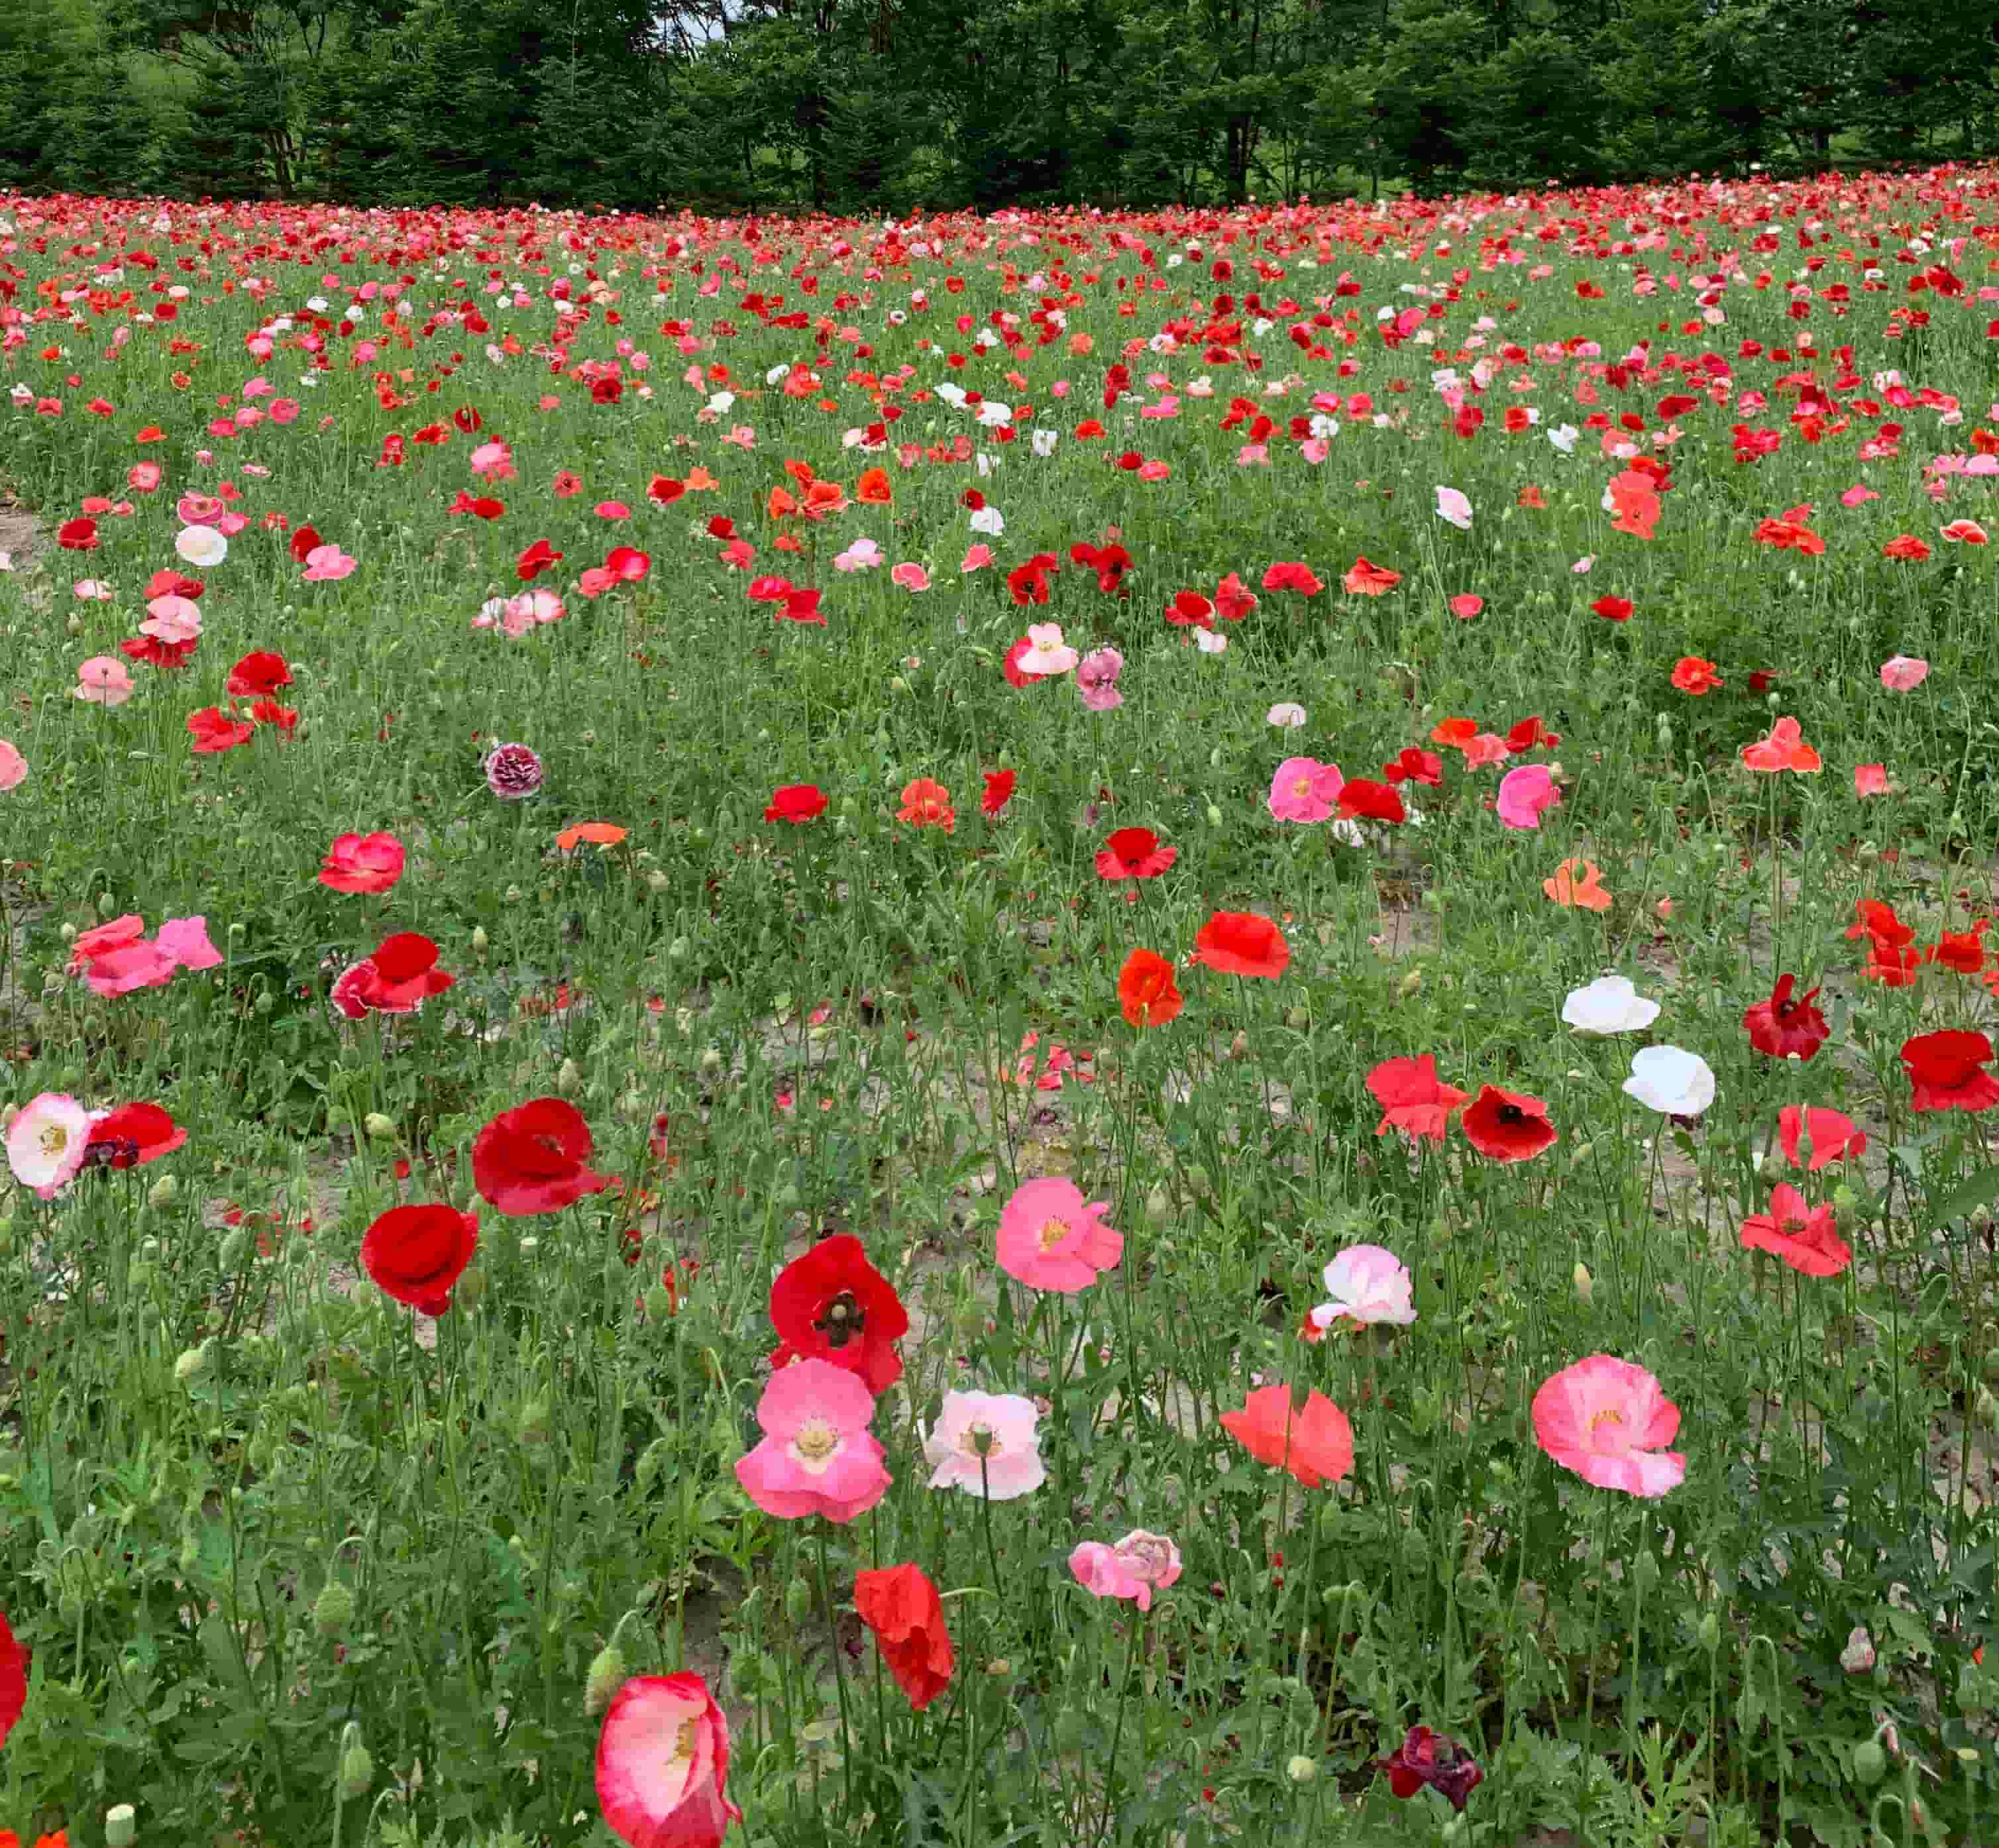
point(900, 1607)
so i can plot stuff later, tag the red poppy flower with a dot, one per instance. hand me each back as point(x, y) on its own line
point(1763, 679)
point(1413, 1099)
point(1189, 609)
point(304, 541)
point(285, 719)
point(77, 535)
point(1364, 579)
point(999, 788)
point(662, 490)
point(1011, 668)
point(361, 863)
point(1413, 765)
point(926, 803)
point(1947, 1071)
point(155, 653)
point(1692, 675)
point(400, 976)
point(1109, 563)
point(830, 1304)
point(132, 1136)
point(1613, 609)
point(1242, 943)
point(13, 1680)
point(1875, 919)
point(796, 803)
point(1806, 1238)
point(1360, 800)
point(170, 583)
point(1907, 547)
point(802, 606)
point(1506, 1125)
point(1893, 966)
point(1789, 536)
point(257, 673)
point(1961, 951)
point(1028, 583)
point(1781, 1026)
point(533, 1158)
point(1425, 1757)
point(1146, 990)
point(873, 489)
point(1529, 734)
point(1833, 1136)
point(1133, 853)
point(1233, 601)
point(417, 1253)
point(538, 558)
point(215, 731)
point(1291, 575)
point(1314, 1441)
point(902, 1608)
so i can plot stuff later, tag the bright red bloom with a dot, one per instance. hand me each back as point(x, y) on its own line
point(267, 712)
point(1189, 609)
point(1833, 1136)
point(1529, 734)
point(796, 803)
point(77, 535)
point(157, 654)
point(417, 1253)
point(304, 542)
point(1314, 1441)
point(1360, 800)
point(802, 606)
point(1293, 577)
point(998, 791)
point(1233, 601)
point(902, 1608)
point(533, 1158)
point(1781, 1026)
point(1806, 1238)
point(1413, 765)
point(1875, 919)
point(13, 1680)
point(1507, 1125)
point(214, 731)
point(1413, 1099)
point(830, 1304)
point(132, 1136)
point(1242, 943)
point(538, 558)
point(1692, 675)
point(1146, 990)
point(1789, 536)
point(398, 978)
point(1133, 853)
point(1109, 563)
point(259, 673)
point(1613, 609)
point(1947, 1071)
point(361, 863)
point(1893, 966)
point(1364, 579)
point(170, 583)
point(1963, 952)
point(1028, 583)
point(1425, 1757)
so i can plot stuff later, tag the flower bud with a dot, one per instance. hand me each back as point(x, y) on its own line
point(121, 1826)
point(1411, 984)
point(1708, 1631)
point(1586, 1285)
point(657, 881)
point(470, 1291)
point(377, 1125)
point(107, 905)
point(357, 1773)
point(1870, 1763)
point(1301, 1770)
point(74, 623)
point(480, 941)
point(606, 1676)
point(333, 1610)
point(1214, 816)
point(659, 1303)
point(711, 1060)
point(531, 1422)
point(192, 1364)
point(229, 1254)
point(1985, 1409)
point(568, 1079)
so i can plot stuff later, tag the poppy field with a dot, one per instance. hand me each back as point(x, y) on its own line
point(1071, 1028)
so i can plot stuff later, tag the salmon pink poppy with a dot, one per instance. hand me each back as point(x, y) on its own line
point(1242, 943)
point(663, 1765)
point(1051, 1238)
point(1314, 1441)
point(1609, 1420)
point(1906, 547)
point(1870, 779)
point(1305, 790)
point(1780, 1026)
point(900, 1607)
point(1507, 1126)
point(1831, 1135)
point(328, 564)
point(1133, 853)
point(416, 1254)
point(1947, 1070)
point(103, 681)
point(369, 863)
point(1146, 990)
point(13, 766)
point(1465, 605)
point(796, 803)
point(926, 803)
point(1806, 1238)
point(597, 834)
point(817, 1456)
point(1578, 884)
point(1413, 1099)
point(1366, 580)
point(533, 1159)
point(830, 1304)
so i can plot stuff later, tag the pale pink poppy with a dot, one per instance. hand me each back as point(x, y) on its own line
point(1132, 1568)
point(1609, 1420)
point(13, 766)
point(326, 564)
point(46, 1142)
point(1453, 506)
point(1051, 1238)
point(1870, 779)
point(103, 681)
point(1305, 790)
point(1047, 653)
point(1905, 672)
point(1368, 1284)
point(818, 1456)
point(172, 619)
point(910, 578)
point(92, 590)
point(986, 1443)
point(1524, 794)
point(662, 1764)
point(863, 555)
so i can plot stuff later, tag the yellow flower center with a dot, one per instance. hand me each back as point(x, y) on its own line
point(1607, 1416)
point(1052, 1232)
point(816, 1442)
point(684, 1744)
point(55, 1138)
point(1301, 786)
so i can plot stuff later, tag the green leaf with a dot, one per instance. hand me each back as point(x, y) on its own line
point(1964, 1199)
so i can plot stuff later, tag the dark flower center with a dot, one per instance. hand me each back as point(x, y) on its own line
point(842, 1320)
point(1511, 1116)
point(1785, 1009)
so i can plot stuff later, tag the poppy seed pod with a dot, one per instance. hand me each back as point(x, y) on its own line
point(333, 1610)
point(606, 1676)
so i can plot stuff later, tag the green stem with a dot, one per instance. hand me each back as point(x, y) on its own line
point(838, 1672)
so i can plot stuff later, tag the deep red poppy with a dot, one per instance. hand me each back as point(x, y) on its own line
point(1189, 609)
point(77, 535)
point(1507, 1125)
point(1413, 1098)
point(304, 541)
point(1947, 1071)
point(902, 1606)
point(1292, 576)
point(400, 976)
point(830, 1304)
point(538, 558)
point(802, 606)
point(257, 673)
point(1133, 853)
point(998, 791)
point(131, 1136)
point(1961, 951)
point(1109, 563)
point(1242, 943)
point(155, 653)
point(796, 803)
point(1413, 765)
point(1876, 918)
point(533, 1158)
point(1613, 609)
point(13, 1680)
point(1028, 583)
point(1529, 733)
point(1360, 800)
point(1781, 1026)
point(214, 731)
point(1425, 1757)
point(417, 1253)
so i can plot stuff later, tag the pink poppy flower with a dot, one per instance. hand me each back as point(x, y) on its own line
point(186, 940)
point(1870, 779)
point(1524, 794)
point(818, 1456)
point(1608, 1420)
point(1368, 1284)
point(326, 564)
point(863, 555)
point(612, 510)
point(985, 1443)
point(13, 766)
point(172, 619)
point(976, 559)
point(1051, 1238)
point(125, 968)
point(103, 681)
point(1096, 680)
point(1465, 605)
point(910, 578)
point(1131, 1568)
point(663, 1765)
point(46, 1142)
point(1305, 790)
point(1905, 672)
point(1046, 652)
point(1453, 506)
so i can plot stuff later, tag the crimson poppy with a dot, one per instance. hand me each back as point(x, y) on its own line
point(155, 653)
point(1290, 575)
point(1961, 951)
point(999, 790)
point(802, 606)
point(1028, 583)
point(1242, 943)
point(1360, 800)
point(1146, 990)
point(1875, 919)
point(1781, 1026)
point(304, 542)
point(1425, 1757)
point(662, 490)
point(1947, 1070)
point(532, 1158)
point(796, 803)
point(1109, 563)
point(1133, 853)
point(400, 975)
point(215, 731)
point(77, 535)
point(13, 1680)
point(1189, 609)
point(1506, 1125)
point(170, 583)
point(131, 1136)
point(901, 1605)
point(257, 673)
point(1413, 1099)
point(830, 1304)
point(538, 558)
point(1413, 765)
point(417, 1253)
point(1613, 609)
point(1529, 734)
point(1233, 599)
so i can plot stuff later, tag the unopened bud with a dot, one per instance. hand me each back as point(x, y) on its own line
point(357, 1773)
point(659, 1303)
point(480, 941)
point(333, 1610)
point(1586, 1285)
point(121, 1826)
point(657, 881)
point(606, 1676)
point(711, 1059)
point(1411, 984)
point(1987, 1409)
point(1214, 816)
point(377, 1125)
point(107, 905)
point(568, 1079)
point(229, 1254)
point(1708, 1631)
point(162, 1191)
point(1301, 1770)
point(1870, 1762)
point(192, 1364)
point(470, 1291)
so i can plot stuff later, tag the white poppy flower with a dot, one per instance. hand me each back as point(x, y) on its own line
point(1671, 1080)
point(201, 545)
point(1610, 1004)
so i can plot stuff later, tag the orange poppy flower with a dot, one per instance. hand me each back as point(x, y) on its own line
point(1455, 732)
point(780, 503)
point(823, 497)
point(926, 803)
point(1785, 749)
point(800, 472)
point(599, 834)
point(1366, 580)
point(1585, 893)
point(698, 478)
point(1146, 990)
point(872, 489)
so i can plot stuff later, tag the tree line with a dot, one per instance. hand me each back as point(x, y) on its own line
point(884, 105)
